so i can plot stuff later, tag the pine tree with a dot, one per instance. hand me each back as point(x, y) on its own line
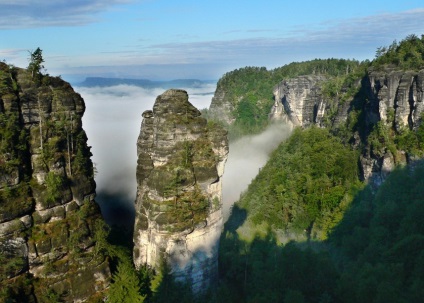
point(126, 286)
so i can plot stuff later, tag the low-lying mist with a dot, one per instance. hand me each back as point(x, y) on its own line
point(247, 155)
point(112, 122)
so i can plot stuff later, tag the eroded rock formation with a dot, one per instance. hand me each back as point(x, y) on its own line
point(299, 101)
point(392, 96)
point(181, 160)
point(221, 109)
point(395, 97)
point(48, 216)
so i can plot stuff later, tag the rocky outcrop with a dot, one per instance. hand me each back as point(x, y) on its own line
point(399, 93)
point(395, 98)
point(390, 95)
point(221, 109)
point(299, 101)
point(181, 160)
point(48, 216)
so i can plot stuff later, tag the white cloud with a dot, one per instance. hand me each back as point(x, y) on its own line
point(334, 38)
point(45, 13)
point(356, 38)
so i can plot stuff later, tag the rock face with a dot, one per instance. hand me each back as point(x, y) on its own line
point(220, 109)
point(299, 101)
point(181, 160)
point(394, 97)
point(399, 92)
point(48, 216)
point(389, 95)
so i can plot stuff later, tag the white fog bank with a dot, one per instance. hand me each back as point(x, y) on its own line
point(247, 155)
point(112, 122)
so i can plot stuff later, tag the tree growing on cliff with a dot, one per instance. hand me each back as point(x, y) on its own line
point(36, 62)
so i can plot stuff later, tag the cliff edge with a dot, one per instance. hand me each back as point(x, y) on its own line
point(48, 217)
point(181, 160)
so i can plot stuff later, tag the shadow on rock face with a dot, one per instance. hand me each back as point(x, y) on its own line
point(117, 209)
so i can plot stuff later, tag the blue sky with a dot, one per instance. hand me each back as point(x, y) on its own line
point(164, 39)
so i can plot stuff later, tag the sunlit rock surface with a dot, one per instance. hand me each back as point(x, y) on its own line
point(390, 95)
point(299, 101)
point(181, 160)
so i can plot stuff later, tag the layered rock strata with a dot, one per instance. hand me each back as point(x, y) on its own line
point(181, 160)
point(395, 97)
point(392, 96)
point(299, 101)
point(397, 92)
point(48, 216)
point(221, 109)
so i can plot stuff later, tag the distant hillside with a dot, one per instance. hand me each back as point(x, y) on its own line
point(178, 83)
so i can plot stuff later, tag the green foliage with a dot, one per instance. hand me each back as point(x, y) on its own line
point(249, 89)
point(306, 183)
point(407, 54)
point(383, 240)
point(82, 163)
point(411, 141)
point(263, 271)
point(17, 290)
point(8, 84)
point(375, 254)
point(54, 187)
point(383, 138)
point(49, 296)
point(167, 290)
point(11, 265)
point(13, 142)
point(36, 63)
point(126, 286)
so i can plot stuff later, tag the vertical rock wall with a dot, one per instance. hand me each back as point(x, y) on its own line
point(220, 109)
point(48, 217)
point(299, 101)
point(392, 96)
point(395, 97)
point(181, 160)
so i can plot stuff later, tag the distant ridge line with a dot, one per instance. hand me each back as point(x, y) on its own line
point(145, 83)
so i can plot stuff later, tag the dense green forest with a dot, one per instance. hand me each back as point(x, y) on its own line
point(306, 186)
point(374, 254)
point(353, 242)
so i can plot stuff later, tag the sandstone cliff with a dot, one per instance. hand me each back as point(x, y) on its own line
point(395, 98)
point(299, 101)
point(181, 160)
point(48, 216)
point(389, 95)
point(222, 109)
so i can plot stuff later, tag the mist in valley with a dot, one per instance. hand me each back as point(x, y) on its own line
point(112, 122)
point(246, 157)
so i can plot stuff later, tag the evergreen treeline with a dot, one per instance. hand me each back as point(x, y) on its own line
point(305, 187)
point(375, 254)
point(250, 89)
point(407, 54)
